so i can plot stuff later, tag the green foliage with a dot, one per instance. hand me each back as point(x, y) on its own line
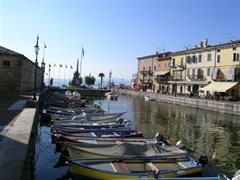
point(101, 75)
point(90, 80)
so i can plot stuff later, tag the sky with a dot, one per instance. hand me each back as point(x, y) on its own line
point(113, 33)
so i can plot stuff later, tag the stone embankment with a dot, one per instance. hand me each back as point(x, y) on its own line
point(228, 107)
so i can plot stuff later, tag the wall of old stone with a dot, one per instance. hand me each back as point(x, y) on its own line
point(19, 76)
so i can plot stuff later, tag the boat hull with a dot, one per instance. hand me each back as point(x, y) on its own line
point(135, 169)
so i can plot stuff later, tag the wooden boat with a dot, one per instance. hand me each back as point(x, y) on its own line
point(99, 133)
point(122, 149)
point(89, 125)
point(88, 128)
point(91, 117)
point(132, 168)
point(158, 139)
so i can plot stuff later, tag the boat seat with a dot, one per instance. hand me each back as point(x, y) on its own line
point(185, 164)
point(152, 166)
point(120, 167)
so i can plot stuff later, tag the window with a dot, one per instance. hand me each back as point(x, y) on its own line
point(155, 68)
point(194, 59)
point(218, 50)
point(173, 62)
point(234, 48)
point(208, 71)
point(188, 72)
point(6, 63)
point(235, 57)
point(181, 60)
point(188, 59)
point(180, 74)
point(193, 73)
point(209, 57)
point(218, 58)
point(199, 58)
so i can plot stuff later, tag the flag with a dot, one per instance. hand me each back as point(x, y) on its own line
point(45, 45)
point(83, 52)
point(71, 66)
point(60, 65)
point(49, 65)
point(66, 66)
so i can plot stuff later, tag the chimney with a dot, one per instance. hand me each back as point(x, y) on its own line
point(201, 44)
point(205, 43)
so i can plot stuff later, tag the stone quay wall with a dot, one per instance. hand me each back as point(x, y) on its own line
point(228, 107)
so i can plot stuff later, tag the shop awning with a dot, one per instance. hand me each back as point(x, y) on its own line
point(160, 73)
point(219, 86)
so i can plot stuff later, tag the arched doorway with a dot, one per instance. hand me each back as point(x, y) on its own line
point(195, 89)
point(174, 88)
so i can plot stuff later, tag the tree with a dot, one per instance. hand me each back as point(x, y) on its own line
point(90, 80)
point(101, 75)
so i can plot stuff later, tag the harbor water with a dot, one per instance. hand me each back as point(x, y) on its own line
point(209, 133)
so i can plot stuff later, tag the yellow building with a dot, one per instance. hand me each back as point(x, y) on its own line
point(205, 70)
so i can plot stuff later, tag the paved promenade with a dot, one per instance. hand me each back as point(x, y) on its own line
point(16, 123)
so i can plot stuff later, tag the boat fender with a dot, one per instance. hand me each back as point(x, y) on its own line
point(156, 174)
point(203, 160)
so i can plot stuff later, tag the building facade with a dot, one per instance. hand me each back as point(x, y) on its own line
point(17, 72)
point(153, 71)
point(205, 70)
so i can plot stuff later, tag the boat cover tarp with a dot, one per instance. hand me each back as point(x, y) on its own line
point(128, 149)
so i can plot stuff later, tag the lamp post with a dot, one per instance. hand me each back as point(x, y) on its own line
point(110, 76)
point(36, 48)
point(43, 68)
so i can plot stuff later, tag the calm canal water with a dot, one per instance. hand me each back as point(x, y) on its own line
point(204, 131)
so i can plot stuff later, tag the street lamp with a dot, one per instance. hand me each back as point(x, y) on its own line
point(36, 48)
point(43, 68)
point(110, 76)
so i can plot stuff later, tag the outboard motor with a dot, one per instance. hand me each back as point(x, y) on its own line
point(119, 120)
point(160, 139)
point(203, 160)
point(180, 144)
point(127, 122)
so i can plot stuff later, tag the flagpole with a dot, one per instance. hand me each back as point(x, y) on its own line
point(64, 75)
point(49, 75)
point(82, 54)
point(70, 74)
point(59, 75)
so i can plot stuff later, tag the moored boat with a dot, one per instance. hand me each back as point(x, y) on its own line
point(122, 149)
point(132, 168)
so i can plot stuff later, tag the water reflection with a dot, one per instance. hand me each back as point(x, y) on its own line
point(205, 131)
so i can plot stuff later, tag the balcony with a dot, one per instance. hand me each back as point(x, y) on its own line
point(181, 66)
point(197, 77)
point(146, 81)
point(147, 72)
point(175, 78)
point(162, 79)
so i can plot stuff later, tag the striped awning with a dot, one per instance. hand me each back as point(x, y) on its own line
point(160, 73)
point(219, 86)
